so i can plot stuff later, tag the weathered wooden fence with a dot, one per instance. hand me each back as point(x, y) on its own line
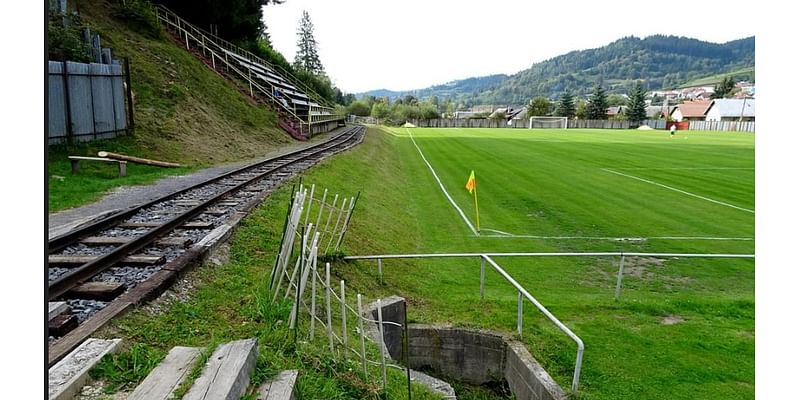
point(727, 126)
point(523, 123)
point(85, 101)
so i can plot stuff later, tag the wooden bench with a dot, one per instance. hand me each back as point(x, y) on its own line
point(75, 162)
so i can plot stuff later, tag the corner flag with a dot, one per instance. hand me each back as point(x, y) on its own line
point(471, 182)
point(472, 186)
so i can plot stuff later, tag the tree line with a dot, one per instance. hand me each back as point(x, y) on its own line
point(596, 107)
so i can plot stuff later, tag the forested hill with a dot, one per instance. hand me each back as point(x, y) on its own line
point(660, 61)
point(454, 89)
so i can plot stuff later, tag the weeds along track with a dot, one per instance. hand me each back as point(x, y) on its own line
point(102, 269)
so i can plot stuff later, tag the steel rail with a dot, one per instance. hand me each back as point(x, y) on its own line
point(62, 241)
point(67, 281)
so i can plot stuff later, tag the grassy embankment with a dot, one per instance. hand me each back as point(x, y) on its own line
point(684, 328)
point(184, 112)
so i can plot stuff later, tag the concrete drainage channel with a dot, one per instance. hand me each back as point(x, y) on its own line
point(476, 357)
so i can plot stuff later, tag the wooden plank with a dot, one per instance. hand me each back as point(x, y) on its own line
point(55, 308)
point(117, 240)
point(66, 261)
point(279, 388)
point(193, 225)
point(67, 377)
point(60, 348)
point(94, 159)
point(227, 372)
point(62, 324)
point(199, 225)
point(106, 240)
point(103, 291)
point(175, 241)
point(139, 224)
point(215, 212)
point(165, 378)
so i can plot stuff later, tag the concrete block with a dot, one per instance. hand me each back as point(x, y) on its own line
point(280, 388)
point(527, 378)
point(69, 375)
point(168, 375)
point(227, 372)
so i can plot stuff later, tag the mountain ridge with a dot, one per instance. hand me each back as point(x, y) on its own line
point(659, 61)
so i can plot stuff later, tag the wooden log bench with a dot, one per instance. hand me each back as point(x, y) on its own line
point(75, 163)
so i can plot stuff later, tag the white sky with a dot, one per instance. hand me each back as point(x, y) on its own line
point(412, 44)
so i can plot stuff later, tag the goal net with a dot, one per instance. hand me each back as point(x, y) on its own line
point(548, 122)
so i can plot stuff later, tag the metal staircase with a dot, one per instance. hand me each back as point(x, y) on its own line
point(301, 112)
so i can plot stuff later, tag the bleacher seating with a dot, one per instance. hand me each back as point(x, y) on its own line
point(301, 112)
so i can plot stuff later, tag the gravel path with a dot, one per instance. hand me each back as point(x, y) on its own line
point(128, 196)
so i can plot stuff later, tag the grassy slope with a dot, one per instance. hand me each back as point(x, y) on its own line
point(714, 79)
point(184, 112)
point(230, 304)
point(629, 353)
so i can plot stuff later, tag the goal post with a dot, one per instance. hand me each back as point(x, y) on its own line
point(547, 122)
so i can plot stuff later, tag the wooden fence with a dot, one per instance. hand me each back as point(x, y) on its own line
point(85, 101)
point(727, 126)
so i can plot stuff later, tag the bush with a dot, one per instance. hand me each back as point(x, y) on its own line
point(65, 42)
point(141, 16)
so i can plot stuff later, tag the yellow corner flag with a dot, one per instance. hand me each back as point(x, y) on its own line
point(471, 182)
point(472, 186)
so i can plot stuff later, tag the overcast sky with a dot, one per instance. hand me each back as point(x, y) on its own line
point(412, 44)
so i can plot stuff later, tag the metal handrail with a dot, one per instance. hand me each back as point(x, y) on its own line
point(521, 290)
point(487, 257)
point(288, 76)
point(223, 59)
point(525, 254)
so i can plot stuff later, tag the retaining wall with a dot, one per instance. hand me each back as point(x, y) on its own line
point(467, 355)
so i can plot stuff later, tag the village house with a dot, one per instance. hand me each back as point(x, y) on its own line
point(731, 110)
point(690, 111)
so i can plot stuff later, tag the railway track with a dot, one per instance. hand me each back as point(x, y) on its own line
point(102, 269)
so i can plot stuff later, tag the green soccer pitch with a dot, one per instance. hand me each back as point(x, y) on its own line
point(683, 328)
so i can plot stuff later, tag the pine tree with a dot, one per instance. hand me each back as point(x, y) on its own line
point(636, 106)
point(598, 104)
point(307, 57)
point(724, 88)
point(566, 106)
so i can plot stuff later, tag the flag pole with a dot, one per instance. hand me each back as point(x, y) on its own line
point(477, 213)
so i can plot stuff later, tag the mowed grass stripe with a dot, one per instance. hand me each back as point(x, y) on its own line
point(695, 195)
point(558, 189)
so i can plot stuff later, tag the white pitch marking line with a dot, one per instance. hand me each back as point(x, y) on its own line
point(679, 190)
point(619, 239)
point(689, 168)
point(464, 217)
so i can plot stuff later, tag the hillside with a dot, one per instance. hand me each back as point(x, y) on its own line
point(452, 89)
point(660, 61)
point(184, 111)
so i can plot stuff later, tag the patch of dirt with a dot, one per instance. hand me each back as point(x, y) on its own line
point(672, 320)
point(94, 391)
point(641, 267)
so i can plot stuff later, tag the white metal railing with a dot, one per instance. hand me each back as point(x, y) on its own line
point(620, 254)
point(523, 293)
point(280, 71)
point(219, 53)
